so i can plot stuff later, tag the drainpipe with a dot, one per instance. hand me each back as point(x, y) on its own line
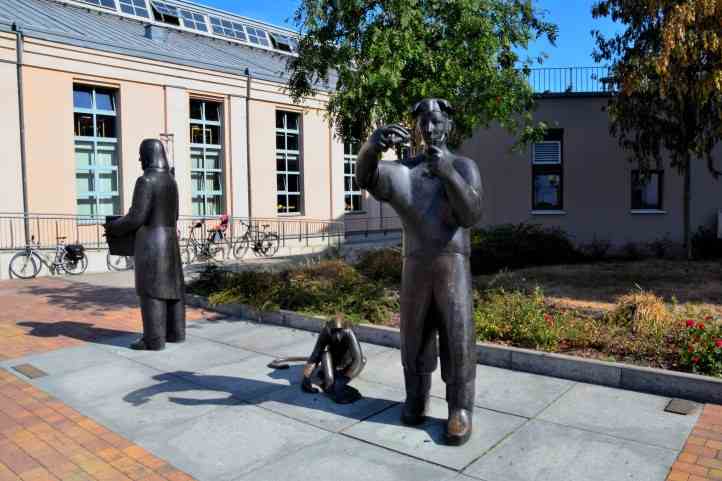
point(21, 114)
point(248, 136)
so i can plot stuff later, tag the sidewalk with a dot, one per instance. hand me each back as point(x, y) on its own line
point(213, 410)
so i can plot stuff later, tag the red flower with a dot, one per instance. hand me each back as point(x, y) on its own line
point(695, 360)
point(718, 343)
point(708, 318)
point(700, 325)
point(690, 323)
point(690, 348)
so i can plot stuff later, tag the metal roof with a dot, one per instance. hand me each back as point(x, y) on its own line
point(86, 27)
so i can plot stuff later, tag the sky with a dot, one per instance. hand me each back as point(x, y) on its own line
point(573, 17)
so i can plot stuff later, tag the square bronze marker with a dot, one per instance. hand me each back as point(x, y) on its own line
point(681, 406)
point(30, 371)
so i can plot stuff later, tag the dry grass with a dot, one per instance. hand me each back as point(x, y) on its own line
point(597, 287)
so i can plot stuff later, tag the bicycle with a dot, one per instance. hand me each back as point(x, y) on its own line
point(119, 263)
point(263, 242)
point(70, 259)
point(209, 249)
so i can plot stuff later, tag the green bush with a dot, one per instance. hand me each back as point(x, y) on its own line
point(383, 265)
point(513, 246)
point(521, 319)
point(705, 244)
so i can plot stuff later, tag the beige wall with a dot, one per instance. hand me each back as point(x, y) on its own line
point(597, 176)
point(11, 197)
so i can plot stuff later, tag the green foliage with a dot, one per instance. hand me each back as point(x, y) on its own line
point(383, 56)
point(513, 246)
point(701, 346)
point(382, 265)
point(516, 317)
point(705, 244)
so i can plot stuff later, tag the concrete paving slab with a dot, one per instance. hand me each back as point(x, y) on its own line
point(247, 379)
point(230, 442)
point(220, 329)
point(426, 441)
point(319, 410)
point(517, 392)
point(79, 388)
point(194, 354)
point(66, 360)
point(269, 339)
point(623, 414)
point(156, 407)
point(550, 452)
point(386, 368)
point(339, 458)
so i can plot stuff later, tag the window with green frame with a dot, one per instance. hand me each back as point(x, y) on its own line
point(206, 157)
point(288, 162)
point(96, 151)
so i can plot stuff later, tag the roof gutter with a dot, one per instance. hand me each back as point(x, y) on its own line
point(19, 47)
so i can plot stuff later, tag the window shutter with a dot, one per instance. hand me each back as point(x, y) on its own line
point(547, 152)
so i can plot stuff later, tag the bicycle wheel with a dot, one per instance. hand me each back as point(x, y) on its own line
point(74, 266)
point(25, 265)
point(241, 247)
point(217, 252)
point(188, 255)
point(118, 263)
point(268, 246)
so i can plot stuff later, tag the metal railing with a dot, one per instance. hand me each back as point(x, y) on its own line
point(88, 230)
point(570, 80)
point(366, 226)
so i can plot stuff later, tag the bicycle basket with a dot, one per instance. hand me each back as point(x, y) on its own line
point(75, 252)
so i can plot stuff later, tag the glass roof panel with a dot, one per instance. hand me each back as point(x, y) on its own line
point(134, 7)
point(257, 36)
point(165, 9)
point(227, 28)
point(194, 20)
point(101, 3)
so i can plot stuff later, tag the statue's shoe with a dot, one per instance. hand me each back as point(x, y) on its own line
point(458, 427)
point(142, 345)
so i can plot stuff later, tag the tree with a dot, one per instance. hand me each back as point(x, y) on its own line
point(667, 70)
point(382, 56)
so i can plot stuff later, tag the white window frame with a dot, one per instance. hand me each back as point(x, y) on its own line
point(285, 154)
point(204, 170)
point(349, 158)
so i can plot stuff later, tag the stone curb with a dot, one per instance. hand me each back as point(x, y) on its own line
point(624, 376)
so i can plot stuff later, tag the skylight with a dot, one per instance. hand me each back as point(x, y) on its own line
point(257, 36)
point(134, 7)
point(164, 12)
point(283, 42)
point(193, 20)
point(228, 29)
point(101, 3)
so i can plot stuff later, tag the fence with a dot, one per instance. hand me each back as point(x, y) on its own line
point(366, 226)
point(570, 80)
point(89, 231)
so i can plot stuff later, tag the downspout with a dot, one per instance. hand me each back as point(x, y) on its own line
point(21, 114)
point(248, 137)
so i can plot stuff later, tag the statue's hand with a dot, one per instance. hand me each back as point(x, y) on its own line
point(389, 136)
point(440, 162)
point(306, 386)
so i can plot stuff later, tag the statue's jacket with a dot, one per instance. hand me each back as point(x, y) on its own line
point(153, 216)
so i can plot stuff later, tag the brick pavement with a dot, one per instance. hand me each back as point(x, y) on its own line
point(701, 458)
point(41, 438)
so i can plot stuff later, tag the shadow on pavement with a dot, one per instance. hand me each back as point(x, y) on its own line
point(87, 299)
point(77, 330)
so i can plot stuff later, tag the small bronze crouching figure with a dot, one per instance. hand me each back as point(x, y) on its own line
point(158, 270)
point(336, 359)
point(437, 194)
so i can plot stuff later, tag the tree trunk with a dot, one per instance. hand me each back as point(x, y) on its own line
point(687, 206)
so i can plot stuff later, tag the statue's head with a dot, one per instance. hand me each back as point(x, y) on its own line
point(152, 155)
point(433, 120)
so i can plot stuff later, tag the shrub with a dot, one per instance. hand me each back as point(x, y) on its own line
point(643, 313)
point(519, 245)
point(595, 250)
point(516, 317)
point(661, 248)
point(705, 244)
point(632, 251)
point(383, 265)
point(701, 347)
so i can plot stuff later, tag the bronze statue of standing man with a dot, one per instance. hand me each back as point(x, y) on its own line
point(437, 195)
point(158, 270)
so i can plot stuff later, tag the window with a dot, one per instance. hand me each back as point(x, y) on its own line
point(647, 190)
point(206, 158)
point(351, 190)
point(134, 7)
point(101, 3)
point(257, 36)
point(283, 42)
point(547, 172)
point(288, 163)
point(193, 20)
point(227, 28)
point(96, 151)
point(164, 12)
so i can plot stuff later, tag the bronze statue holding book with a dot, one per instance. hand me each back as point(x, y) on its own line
point(150, 228)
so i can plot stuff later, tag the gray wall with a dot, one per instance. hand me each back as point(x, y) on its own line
point(597, 190)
